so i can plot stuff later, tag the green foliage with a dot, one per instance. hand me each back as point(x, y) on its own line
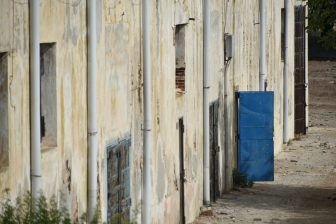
point(25, 210)
point(118, 219)
point(96, 218)
point(322, 19)
point(240, 180)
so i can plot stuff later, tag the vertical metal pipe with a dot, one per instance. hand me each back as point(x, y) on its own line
point(147, 92)
point(35, 113)
point(285, 78)
point(206, 88)
point(92, 110)
point(262, 48)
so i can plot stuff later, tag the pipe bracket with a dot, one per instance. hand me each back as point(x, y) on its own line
point(33, 175)
point(93, 133)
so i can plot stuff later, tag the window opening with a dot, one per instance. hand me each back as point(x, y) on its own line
point(283, 18)
point(180, 57)
point(48, 95)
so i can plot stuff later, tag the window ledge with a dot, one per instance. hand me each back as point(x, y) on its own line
point(45, 146)
point(180, 92)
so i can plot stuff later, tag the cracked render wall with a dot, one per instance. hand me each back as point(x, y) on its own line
point(120, 99)
point(241, 19)
point(14, 30)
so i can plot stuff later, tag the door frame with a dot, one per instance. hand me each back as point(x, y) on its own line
point(182, 170)
point(214, 151)
point(300, 72)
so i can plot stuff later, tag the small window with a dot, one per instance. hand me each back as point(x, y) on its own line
point(283, 17)
point(3, 110)
point(118, 181)
point(180, 57)
point(48, 95)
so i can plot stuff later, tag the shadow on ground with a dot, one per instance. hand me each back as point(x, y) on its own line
point(272, 203)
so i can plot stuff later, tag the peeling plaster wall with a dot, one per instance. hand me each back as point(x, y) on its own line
point(169, 106)
point(238, 17)
point(14, 32)
point(241, 19)
point(64, 166)
point(217, 75)
point(120, 94)
point(120, 100)
point(62, 22)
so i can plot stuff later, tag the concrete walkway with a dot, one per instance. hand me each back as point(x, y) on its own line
point(304, 190)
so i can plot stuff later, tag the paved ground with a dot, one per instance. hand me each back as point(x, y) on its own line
point(304, 190)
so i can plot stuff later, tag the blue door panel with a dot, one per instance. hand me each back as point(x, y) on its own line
point(252, 149)
point(256, 102)
point(259, 170)
point(261, 133)
point(255, 135)
point(254, 120)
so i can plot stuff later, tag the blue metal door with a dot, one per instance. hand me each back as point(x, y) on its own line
point(255, 135)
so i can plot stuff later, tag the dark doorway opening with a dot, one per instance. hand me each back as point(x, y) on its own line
point(182, 170)
point(300, 70)
point(214, 152)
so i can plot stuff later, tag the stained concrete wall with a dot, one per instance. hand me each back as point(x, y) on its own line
point(241, 19)
point(120, 91)
point(13, 39)
point(120, 99)
point(64, 167)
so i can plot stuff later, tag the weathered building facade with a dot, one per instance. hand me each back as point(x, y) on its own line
point(177, 68)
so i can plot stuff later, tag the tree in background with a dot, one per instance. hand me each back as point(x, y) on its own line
point(322, 20)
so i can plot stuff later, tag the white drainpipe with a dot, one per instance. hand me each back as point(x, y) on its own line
point(147, 92)
point(262, 57)
point(35, 119)
point(206, 88)
point(285, 80)
point(92, 108)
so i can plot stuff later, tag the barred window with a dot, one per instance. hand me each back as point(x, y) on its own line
point(118, 181)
